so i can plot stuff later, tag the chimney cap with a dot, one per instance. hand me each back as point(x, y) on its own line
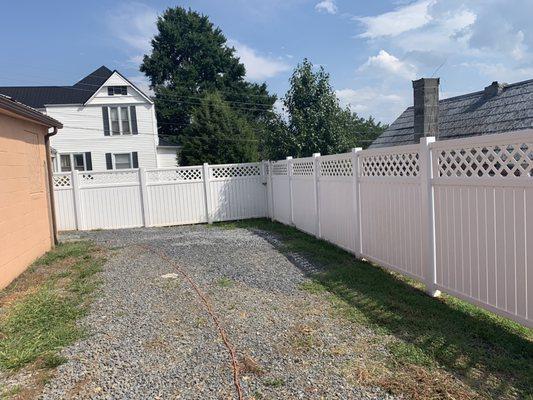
point(426, 82)
point(494, 89)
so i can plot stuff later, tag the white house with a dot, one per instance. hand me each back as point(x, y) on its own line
point(108, 123)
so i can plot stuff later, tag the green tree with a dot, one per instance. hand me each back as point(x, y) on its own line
point(315, 120)
point(217, 135)
point(190, 57)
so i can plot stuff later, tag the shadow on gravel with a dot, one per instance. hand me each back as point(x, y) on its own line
point(490, 354)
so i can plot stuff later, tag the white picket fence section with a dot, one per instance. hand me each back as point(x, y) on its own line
point(456, 215)
point(159, 197)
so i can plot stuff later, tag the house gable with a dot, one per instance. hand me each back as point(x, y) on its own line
point(101, 96)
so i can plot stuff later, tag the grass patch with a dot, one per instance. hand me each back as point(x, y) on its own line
point(225, 282)
point(40, 309)
point(274, 382)
point(447, 346)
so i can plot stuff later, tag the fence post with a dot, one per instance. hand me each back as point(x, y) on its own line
point(264, 181)
point(206, 193)
point(316, 178)
point(356, 202)
point(428, 216)
point(144, 197)
point(77, 199)
point(289, 174)
point(271, 182)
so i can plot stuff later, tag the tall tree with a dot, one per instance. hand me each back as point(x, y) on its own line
point(217, 135)
point(189, 57)
point(315, 120)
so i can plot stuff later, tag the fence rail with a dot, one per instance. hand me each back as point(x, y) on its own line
point(456, 215)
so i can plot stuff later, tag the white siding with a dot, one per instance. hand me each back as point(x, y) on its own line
point(166, 157)
point(83, 129)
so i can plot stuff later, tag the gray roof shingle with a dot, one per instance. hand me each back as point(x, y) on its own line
point(79, 93)
point(471, 114)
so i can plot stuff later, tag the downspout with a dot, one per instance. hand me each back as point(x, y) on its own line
point(51, 184)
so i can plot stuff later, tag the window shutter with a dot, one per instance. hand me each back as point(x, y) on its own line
point(133, 115)
point(109, 160)
point(105, 117)
point(88, 161)
point(135, 159)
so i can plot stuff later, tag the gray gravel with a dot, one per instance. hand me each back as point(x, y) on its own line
point(150, 336)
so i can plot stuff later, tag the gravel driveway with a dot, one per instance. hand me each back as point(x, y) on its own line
point(151, 336)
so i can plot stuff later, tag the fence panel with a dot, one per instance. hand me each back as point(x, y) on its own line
point(176, 196)
point(281, 192)
point(484, 221)
point(64, 202)
point(237, 191)
point(110, 200)
point(336, 200)
point(391, 211)
point(303, 195)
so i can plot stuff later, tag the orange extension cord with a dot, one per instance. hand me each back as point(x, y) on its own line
point(210, 311)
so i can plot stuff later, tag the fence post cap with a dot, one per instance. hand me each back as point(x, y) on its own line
point(356, 149)
point(289, 158)
point(205, 164)
point(316, 154)
point(427, 139)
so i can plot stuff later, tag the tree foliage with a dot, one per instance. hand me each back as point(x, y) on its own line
point(315, 120)
point(190, 57)
point(217, 135)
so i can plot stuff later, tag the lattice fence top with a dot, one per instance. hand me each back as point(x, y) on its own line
point(102, 178)
point(501, 161)
point(303, 168)
point(235, 171)
point(193, 174)
point(62, 181)
point(390, 164)
point(280, 168)
point(336, 167)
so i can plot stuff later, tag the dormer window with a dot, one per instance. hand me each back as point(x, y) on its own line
point(117, 90)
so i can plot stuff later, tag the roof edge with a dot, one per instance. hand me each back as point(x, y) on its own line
point(8, 104)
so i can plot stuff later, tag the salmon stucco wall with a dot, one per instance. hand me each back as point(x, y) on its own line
point(25, 218)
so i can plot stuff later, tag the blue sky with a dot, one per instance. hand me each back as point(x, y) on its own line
point(372, 49)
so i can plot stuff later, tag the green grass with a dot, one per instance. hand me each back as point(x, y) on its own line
point(225, 282)
point(490, 354)
point(43, 319)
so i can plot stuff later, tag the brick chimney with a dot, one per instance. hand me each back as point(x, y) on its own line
point(426, 104)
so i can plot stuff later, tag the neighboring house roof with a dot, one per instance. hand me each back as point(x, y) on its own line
point(79, 93)
point(22, 110)
point(479, 113)
point(165, 142)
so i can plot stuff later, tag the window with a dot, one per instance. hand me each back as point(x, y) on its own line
point(125, 120)
point(65, 163)
point(117, 90)
point(122, 161)
point(77, 161)
point(120, 120)
point(115, 124)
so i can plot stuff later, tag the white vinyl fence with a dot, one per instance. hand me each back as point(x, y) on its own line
point(455, 214)
point(159, 197)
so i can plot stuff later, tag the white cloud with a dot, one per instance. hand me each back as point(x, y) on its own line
point(327, 6)
point(258, 67)
point(374, 101)
point(135, 25)
point(385, 62)
point(395, 22)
